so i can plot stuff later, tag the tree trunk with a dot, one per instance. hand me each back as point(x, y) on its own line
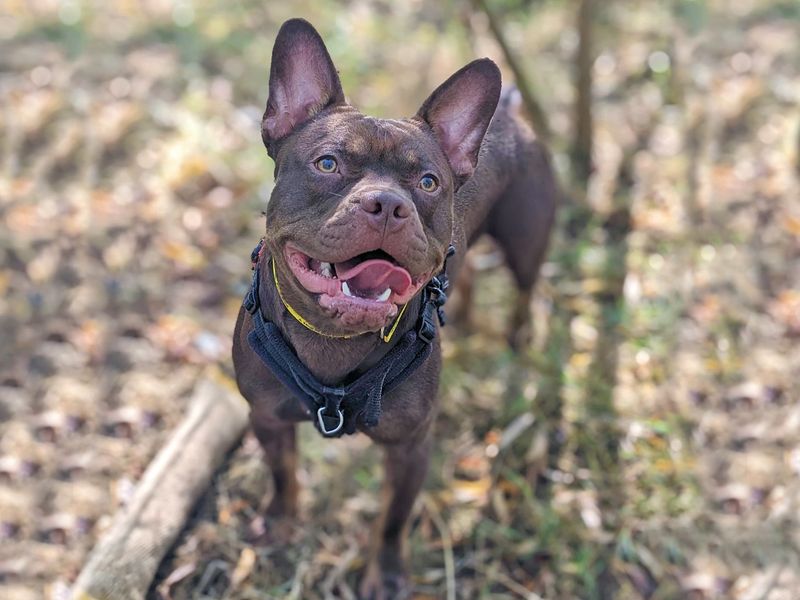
point(532, 107)
point(582, 145)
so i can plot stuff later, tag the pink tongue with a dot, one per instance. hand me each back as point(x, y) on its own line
point(375, 275)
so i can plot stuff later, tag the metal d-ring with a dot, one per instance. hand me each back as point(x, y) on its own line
point(321, 422)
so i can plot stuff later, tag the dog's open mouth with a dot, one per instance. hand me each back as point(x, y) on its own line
point(366, 288)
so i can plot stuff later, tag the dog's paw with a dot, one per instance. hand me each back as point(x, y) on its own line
point(520, 335)
point(383, 584)
point(520, 339)
point(267, 531)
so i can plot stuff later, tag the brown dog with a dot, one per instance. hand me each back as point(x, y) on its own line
point(340, 324)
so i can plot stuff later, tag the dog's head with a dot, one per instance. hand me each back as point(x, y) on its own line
point(361, 214)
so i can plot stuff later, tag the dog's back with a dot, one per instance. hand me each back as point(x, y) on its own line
point(512, 196)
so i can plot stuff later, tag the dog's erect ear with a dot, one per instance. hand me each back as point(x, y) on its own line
point(459, 111)
point(302, 80)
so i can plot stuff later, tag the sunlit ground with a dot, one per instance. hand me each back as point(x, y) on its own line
point(646, 446)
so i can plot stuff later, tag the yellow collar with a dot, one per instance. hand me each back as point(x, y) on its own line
point(304, 322)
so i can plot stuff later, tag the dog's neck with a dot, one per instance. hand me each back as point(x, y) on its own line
point(333, 361)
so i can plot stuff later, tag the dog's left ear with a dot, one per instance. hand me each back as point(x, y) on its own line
point(302, 81)
point(459, 111)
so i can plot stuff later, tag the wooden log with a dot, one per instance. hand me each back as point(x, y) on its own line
point(122, 565)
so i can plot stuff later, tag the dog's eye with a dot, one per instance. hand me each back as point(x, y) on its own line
point(326, 164)
point(428, 183)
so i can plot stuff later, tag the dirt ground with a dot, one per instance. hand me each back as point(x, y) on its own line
point(647, 445)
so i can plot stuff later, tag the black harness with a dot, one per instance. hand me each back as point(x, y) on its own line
point(342, 409)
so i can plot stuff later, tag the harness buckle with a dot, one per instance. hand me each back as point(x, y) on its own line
point(250, 301)
point(321, 420)
point(427, 328)
point(256, 254)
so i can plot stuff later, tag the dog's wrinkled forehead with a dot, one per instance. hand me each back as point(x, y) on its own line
point(397, 145)
point(386, 139)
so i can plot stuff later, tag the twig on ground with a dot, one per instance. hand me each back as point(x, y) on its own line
point(336, 575)
point(447, 545)
point(295, 593)
point(494, 575)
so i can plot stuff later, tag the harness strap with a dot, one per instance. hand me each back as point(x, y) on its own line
point(339, 410)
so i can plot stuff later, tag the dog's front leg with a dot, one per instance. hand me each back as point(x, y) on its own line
point(405, 466)
point(278, 439)
point(280, 451)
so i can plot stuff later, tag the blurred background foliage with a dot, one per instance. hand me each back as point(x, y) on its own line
point(646, 446)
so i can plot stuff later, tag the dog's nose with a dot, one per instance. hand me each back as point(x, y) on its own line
point(386, 210)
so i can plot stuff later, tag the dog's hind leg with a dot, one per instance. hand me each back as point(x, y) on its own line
point(520, 222)
point(460, 312)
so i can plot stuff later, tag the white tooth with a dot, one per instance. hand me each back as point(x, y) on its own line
point(346, 289)
point(326, 269)
point(385, 295)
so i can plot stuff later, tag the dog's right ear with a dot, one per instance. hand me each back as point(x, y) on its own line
point(302, 81)
point(459, 111)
